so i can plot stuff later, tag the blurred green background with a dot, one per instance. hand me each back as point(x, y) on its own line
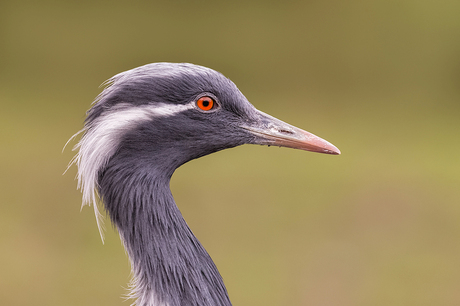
point(378, 225)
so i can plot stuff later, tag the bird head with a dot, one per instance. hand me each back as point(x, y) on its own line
point(178, 112)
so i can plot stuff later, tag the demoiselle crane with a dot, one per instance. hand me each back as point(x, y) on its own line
point(146, 123)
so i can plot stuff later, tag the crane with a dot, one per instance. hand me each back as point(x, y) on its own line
point(146, 123)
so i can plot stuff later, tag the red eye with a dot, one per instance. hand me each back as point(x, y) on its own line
point(205, 103)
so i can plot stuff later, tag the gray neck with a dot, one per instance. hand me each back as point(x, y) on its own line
point(170, 266)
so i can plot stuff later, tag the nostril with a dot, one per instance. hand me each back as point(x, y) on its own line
point(286, 131)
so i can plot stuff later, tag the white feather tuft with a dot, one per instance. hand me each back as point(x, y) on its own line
point(101, 138)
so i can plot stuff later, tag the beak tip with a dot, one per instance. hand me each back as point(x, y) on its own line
point(329, 150)
point(335, 151)
point(322, 146)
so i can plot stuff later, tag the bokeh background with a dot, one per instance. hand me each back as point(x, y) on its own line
point(377, 225)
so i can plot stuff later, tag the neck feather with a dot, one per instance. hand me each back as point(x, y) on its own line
point(170, 266)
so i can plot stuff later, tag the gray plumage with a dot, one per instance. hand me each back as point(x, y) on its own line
point(143, 126)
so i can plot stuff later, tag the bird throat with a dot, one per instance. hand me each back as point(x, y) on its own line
point(170, 266)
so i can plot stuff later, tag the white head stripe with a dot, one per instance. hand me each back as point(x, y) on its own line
point(101, 139)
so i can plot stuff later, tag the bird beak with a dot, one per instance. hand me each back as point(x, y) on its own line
point(274, 132)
